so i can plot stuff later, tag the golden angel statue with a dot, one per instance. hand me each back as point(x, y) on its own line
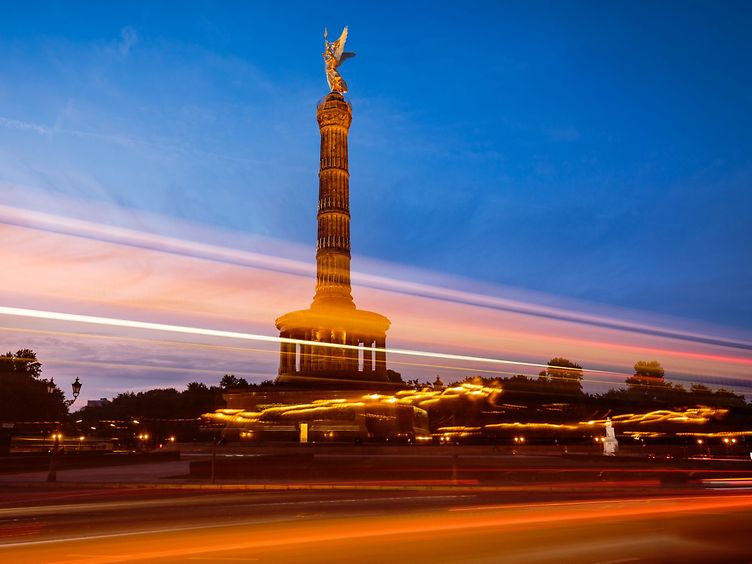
point(334, 56)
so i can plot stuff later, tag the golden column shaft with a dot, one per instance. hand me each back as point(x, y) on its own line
point(334, 116)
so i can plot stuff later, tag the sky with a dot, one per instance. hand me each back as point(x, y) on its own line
point(596, 157)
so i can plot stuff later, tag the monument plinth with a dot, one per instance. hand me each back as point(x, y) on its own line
point(360, 336)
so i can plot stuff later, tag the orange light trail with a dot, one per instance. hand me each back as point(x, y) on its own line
point(182, 544)
point(422, 398)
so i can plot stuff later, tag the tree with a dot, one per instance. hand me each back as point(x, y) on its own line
point(198, 398)
point(519, 388)
point(648, 378)
point(649, 369)
point(726, 398)
point(159, 403)
point(23, 362)
point(563, 376)
point(196, 388)
point(23, 393)
point(230, 381)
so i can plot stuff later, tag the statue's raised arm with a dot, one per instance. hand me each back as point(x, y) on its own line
point(334, 56)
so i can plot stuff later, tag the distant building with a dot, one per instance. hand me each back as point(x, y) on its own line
point(101, 402)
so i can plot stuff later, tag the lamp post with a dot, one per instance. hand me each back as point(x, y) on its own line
point(52, 473)
point(76, 390)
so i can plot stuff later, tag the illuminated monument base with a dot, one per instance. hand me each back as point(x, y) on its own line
point(361, 363)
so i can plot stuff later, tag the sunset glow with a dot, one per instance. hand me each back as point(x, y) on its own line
point(160, 284)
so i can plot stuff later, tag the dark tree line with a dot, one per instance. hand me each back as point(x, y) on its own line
point(648, 386)
point(160, 403)
point(169, 403)
point(232, 382)
point(561, 382)
point(24, 394)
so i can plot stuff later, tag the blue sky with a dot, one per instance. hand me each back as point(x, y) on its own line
point(598, 151)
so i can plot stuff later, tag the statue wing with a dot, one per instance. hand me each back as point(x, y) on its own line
point(339, 45)
point(346, 55)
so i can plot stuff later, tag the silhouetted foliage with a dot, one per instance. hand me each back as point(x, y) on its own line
point(648, 380)
point(648, 388)
point(563, 377)
point(23, 393)
point(702, 395)
point(166, 403)
point(556, 395)
point(232, 382)
point(649, 369)
point(521, 389)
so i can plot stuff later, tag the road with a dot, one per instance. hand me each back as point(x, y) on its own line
point(92, 525)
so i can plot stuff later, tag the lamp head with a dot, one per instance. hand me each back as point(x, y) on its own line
point(76, 388)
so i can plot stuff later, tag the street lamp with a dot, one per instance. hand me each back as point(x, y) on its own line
point(76, 390)
point(52, 473)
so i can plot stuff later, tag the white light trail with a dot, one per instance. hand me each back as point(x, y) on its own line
point(244, 350)
point(169, 328)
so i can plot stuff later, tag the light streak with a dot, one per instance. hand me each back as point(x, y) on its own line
point(717, 434)
point(275, 352)
point(145, 240)
point(151, 326)
point(57, 224)
point(149, 367)
point(700, 414)
point(234, 539)
point(426, 398)
point(637, 435)
point(344, 407)
point(540, 426)
point(165, 274)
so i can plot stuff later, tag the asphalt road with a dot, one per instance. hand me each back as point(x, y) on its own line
point(67, 525)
